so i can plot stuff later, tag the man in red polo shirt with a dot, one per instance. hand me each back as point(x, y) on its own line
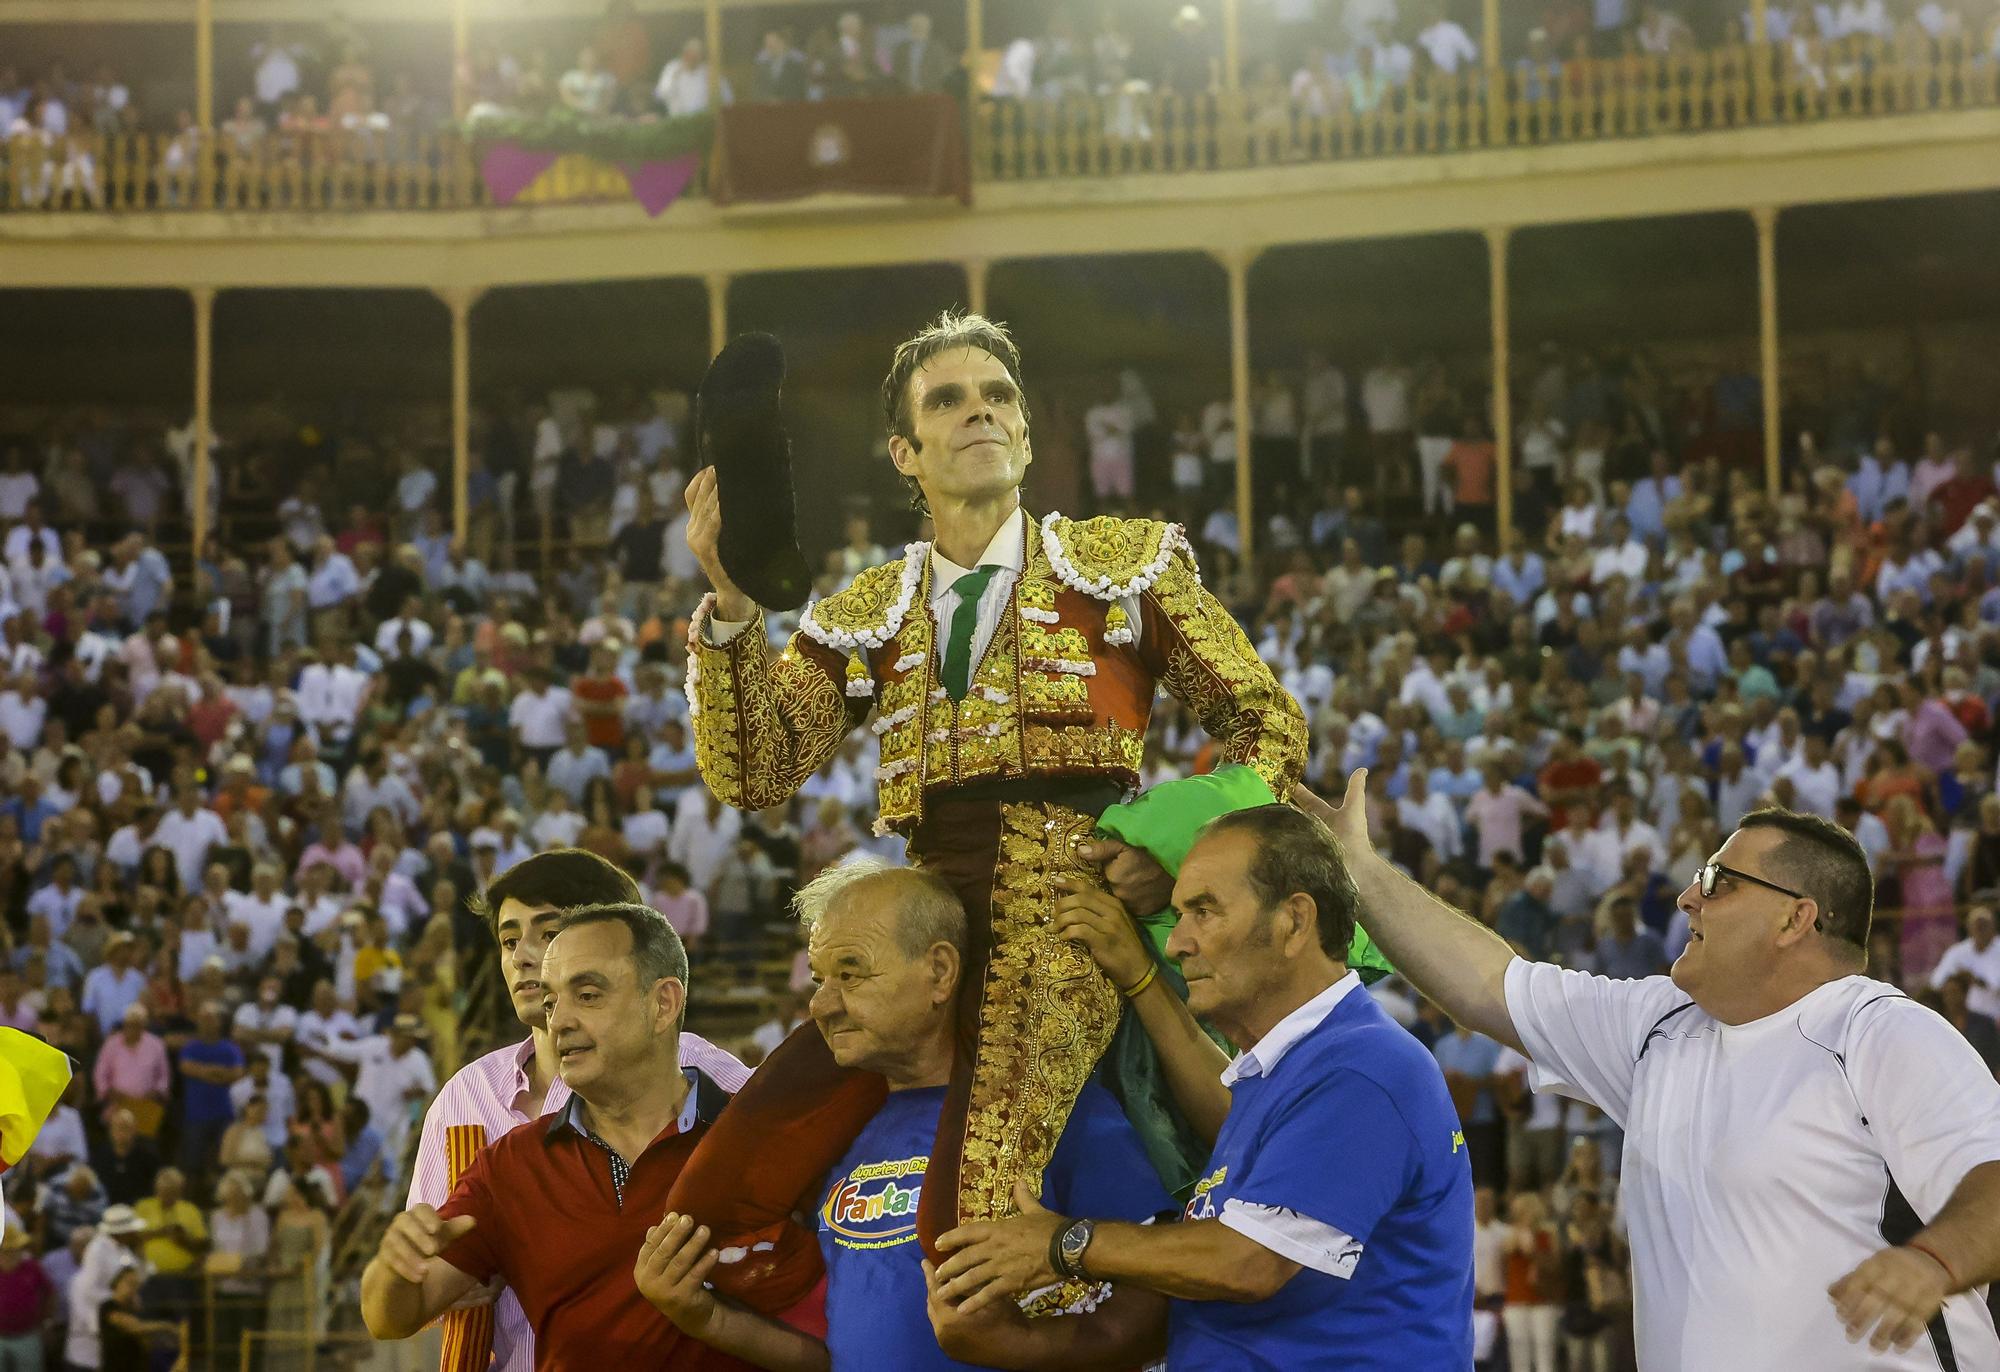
point(560, 1207)
point(1569, 779)
point(600, 699)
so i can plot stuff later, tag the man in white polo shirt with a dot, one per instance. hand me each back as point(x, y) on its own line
point(188, 831)
point(261, 908)
point(1812, 1159)
point(539, 715)
point(333, 692)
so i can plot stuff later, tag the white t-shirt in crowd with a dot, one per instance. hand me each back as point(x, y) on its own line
point(19, 539)
point(1449, 45)
point(330, 695)
point(392, 630)
point(1817, 789)
point(385, 1083)
point(58, 906)
point(1385, 400)
point(540, 718)
point(189, 837)
point(252, 1017)
point(1765, 1161)
point(645, 832)
point(1109, 428)
point(335, 1033)
point(21, 718)
point(556, 830)
point(1489, 1258)
point(16, 490)
point(1544, 1110)
point(699, 844)
point(1985, 967)
point(265, 918)
point(277, 74)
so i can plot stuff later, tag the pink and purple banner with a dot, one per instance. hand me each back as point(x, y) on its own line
point(508, 169)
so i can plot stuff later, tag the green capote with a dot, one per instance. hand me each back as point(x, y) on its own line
point(1165, 821)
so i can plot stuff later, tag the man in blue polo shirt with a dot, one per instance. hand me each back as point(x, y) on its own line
point(1333, 1228)
point(886, 949)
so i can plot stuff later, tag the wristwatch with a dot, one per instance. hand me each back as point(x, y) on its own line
point(1066, 1252)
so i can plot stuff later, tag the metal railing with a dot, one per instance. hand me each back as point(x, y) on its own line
point(221, 1312)
point(1527, 106)
point(1129, 132)
point(303, 1318)
point(346, 1351)
point(288, 171)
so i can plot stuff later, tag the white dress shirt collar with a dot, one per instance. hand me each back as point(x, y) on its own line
point(1263, 1057)
point(1008, 549)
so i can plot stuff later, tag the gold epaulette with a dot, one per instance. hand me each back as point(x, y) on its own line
point(868, 613)
point(1109, 558)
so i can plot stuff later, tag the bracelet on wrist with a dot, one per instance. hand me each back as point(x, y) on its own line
point(1935, 1257)
point(1141, 984)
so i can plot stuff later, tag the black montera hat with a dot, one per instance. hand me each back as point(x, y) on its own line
point(740, 431)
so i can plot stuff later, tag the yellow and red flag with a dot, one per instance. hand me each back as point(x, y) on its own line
point(32, 1078)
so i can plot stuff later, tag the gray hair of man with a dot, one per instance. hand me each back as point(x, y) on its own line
point(928, 911)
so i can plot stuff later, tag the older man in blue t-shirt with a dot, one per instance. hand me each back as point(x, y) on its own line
point(1333, 1228)
point(886, 949)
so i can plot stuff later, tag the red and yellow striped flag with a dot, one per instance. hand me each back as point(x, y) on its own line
point(468, 1334)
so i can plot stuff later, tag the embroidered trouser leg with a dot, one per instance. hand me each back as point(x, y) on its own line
point(1039, 1015)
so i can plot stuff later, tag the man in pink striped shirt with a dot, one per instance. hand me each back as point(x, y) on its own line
point(518, 1084)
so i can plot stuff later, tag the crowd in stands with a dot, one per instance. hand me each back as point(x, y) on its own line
point(1324, 54)
point(325, 87)
point(310, 80)
point(243, 805)
point(617, 74)
point(1327, 55)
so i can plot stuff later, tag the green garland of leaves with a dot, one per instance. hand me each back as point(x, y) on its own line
point(609, 140)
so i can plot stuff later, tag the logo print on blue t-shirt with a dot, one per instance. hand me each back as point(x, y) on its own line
point(871, 1207)
point(1201, 1205)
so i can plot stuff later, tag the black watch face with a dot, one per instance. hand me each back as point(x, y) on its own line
point(1075, 1239)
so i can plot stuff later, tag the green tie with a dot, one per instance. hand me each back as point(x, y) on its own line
point(958, 647)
